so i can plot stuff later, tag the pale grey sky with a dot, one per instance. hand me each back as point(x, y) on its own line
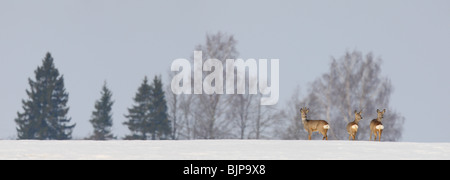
point(122, 41)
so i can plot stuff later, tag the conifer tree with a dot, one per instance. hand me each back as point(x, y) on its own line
point(45, 111)
point(148, 118)
point(101, 118)
point(139, 115)
point(162, 126)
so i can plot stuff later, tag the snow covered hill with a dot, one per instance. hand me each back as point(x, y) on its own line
point(221, 149)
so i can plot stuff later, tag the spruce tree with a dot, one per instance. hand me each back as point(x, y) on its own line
point(101, 118)
point(139, 122)
point(45, 111)
point(159, 117)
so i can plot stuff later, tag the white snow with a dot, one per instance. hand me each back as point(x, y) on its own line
point(221, 149)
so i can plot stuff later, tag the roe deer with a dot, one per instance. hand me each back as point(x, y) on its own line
point(352, 127)
point(376, 127)
point(314, 125)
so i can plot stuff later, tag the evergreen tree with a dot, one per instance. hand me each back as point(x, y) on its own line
point(162, 126)
point(101, 118)
point(139, 115)
point(45, 111)
point(148, 118)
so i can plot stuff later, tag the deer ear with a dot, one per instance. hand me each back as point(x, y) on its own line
point(307, 110)
point(356, 111)
point(378, 110)
point(384, 110)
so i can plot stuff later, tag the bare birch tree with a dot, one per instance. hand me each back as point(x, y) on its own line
point(210, 109)
point(220, 115)
point(173, 103)
point(263, 120)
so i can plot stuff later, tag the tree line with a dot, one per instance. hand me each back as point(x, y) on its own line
point(353, 81)
point(44, 115)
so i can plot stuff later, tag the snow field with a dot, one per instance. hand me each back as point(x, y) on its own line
point(221, 150)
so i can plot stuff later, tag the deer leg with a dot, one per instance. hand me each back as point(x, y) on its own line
point(370, 135)
point(309, 135)
point(324, 133)
point(379, 137)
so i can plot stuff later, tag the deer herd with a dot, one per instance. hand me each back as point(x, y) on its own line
point(322, 126)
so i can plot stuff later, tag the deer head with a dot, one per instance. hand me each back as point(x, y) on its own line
point(380, 114)
point(358, 116)
point(304, 111)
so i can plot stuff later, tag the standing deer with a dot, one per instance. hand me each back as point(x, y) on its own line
point(376, 127)
point(314, 125)
point(352, 127)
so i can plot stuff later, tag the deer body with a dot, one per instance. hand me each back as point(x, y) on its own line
point(314, 125)
point(376, 127)
point(352, 127)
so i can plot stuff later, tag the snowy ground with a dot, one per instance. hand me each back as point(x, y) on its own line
point(221, 149)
